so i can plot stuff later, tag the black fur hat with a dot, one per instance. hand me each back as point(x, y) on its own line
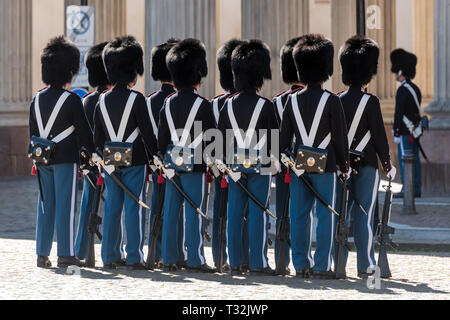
point(288, 69)
point(123, 59)
point(60, 62)
point(187, 64)
point(224, 63)
point(159, 66)
point(359, 60)
point(250, 63)
point(313, 56)
point(404, 61)
point(94, 63)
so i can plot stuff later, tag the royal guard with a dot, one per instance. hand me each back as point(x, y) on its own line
point(315, 118)
point(408, 115)
point(181, 146)
point(253, 116)
point(98, 80)
point(122, 133)
point(367, 141)
point(155, 103)
point(58, 131)
point(290, 77)
point(227, 83)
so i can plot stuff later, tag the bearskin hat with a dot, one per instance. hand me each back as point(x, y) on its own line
point(250, 63)
point(313, 56)
point(159, 66)
point(288, 69)
point(359, 60)
point(224, 64)
point(94, 63)
point(60, 62)
point(123, 59)
point(186, 62)
point(404, 61)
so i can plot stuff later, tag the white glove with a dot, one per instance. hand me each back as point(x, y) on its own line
point(397, 140)
point(391, 174)
point(345, 175)
point(96, 158)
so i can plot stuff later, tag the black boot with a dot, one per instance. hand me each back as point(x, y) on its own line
point(236, 271)
point(182, 265)
point(284, 272)
point(121, 263)
point(304, 274)
point(64, 262)
point(137, 266)
point(267, 271)
point(203, 268)
point(324, 275)
point(110, 266)
point(245, 268)
point(43, 262)
point(171, 267)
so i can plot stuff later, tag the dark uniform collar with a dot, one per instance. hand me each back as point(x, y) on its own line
point(102, 89)
point(295, 87)
point(121, 86)
point(187, 90)
point(355, 89)
point(167, 87)
point(314, 86)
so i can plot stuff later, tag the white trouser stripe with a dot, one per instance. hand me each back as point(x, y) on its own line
point(183, 240)
point(332, 223)
point(122, 228)
point(140, 217)
point(369, 218)
point(311, 225)
point(200, 245)
point(72, 207)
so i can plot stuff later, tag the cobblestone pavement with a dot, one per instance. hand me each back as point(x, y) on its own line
point(415, 276)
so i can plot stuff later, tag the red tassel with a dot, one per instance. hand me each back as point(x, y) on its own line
point(148, 178)
point(79, 175)
point(411, 139)
point(34, 171)
point(287, 177)
point(161, 179)
point(224, 183)
point(209, 178)
point(100, 181)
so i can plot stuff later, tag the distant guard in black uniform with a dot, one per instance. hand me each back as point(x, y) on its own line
point(290, 77)
point(98, 80)
point(179, 144)
point(58, 130)
point(155, 103)
point(123, 133)
point(366, 138)
point(246, 114)
point(316, 118)
point(407, 118)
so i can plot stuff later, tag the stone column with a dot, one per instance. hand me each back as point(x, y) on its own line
point(228, 26)
point(135, 25)
point(439, 109)
point(15, 85)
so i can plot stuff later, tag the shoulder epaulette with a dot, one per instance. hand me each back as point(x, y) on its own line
point(296, 90)
point(42, 89)
point(88, 94)
point(202, 97)
point(219, 95)
point(264, 98)
point(171, 94)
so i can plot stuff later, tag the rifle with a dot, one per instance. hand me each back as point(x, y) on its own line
point(222, 225)
point(283, 237)
point(342, 233)
point(383, 233)
point(94, 221)
point(156, 230)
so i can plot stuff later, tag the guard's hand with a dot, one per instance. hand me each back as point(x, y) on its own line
point(392, 173)
point(96, 158)
point(397, 140)
point(345, 175)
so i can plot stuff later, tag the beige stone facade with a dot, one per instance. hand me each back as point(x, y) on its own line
point(416, 25)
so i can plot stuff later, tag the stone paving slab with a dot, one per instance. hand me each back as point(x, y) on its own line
point(416, 276)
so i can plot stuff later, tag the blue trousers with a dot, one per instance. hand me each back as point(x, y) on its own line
point(257, 221)
point(302, 201)
point(116, 201)
point(194, 185)
point(156, 189)
point(281, 191)
point(83, 236)
point(60, 185)
point(365, 188)
point(406, 145)
point(216, 225)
